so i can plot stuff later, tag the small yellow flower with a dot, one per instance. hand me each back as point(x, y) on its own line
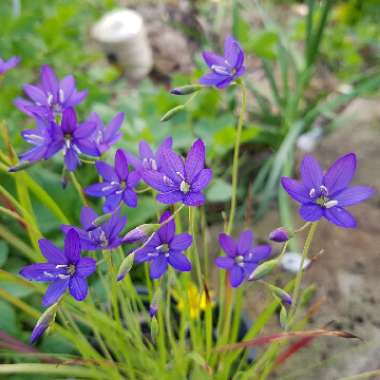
point(198, 302)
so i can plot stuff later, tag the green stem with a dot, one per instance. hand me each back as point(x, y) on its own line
point(235, 164)
point(297, 286)
point(78, 188)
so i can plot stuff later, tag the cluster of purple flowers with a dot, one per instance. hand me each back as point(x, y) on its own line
point(174, 178)
point(51, 104)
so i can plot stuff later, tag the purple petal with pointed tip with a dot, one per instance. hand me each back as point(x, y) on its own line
point(311, 212)
point(54, 291)
point(228, 244)
point(340, 217)
point(78, 287)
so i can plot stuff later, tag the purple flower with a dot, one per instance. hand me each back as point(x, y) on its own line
point(327, 195)
point(63, 269)
point(49, 138)
point(105, 236)
point(224, 69)
point(105, 137)
point(165, 247)
point(179, 180)
point(242, 258)
point(7, 65)
point(118, 184)
point(147, 158)
point(279, 235)
point(51, 96)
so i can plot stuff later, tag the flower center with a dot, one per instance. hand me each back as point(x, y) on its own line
point(323, 199)
point(184, 187)
point(239, 260)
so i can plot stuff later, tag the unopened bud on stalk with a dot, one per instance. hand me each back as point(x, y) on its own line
point(263, 269)
point(154, 329)
point(281, 293)
point(153, 310)
point(186, 90)
point(280, 235)
point(99, 221)
point(140, 232)
point(126, 266)
point(44, 322)
point(20, 166)
point(172, 113)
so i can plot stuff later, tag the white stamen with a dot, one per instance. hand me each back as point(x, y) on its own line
point(220, 70)
point(179, 174)
point(330, 204)
point(167, 180)
point(153, 164)
point(34, 139)
point(324, 190)
point(61, 95)
point(312, 193)
point(50, 98)
point(145, 163)
point(61, 266)
point(63, 276)
point(47, 274)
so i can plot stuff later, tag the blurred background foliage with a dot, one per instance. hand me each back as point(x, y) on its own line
point(287, 53)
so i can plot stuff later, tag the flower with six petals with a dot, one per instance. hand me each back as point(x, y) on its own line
point(327, 194)
point(64, 269)
point(242, 258)
point(165, 248)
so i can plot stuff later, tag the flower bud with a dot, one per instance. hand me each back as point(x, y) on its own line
point(281, 293)
point(279, 235)
point(140, 232)
point(99, 221)
point(263, 269)
point(186, 90)
point(45, 321)
point(154, 329)
point(172, 113)
point(153, 310)
point(126, 266)
point(20, 166)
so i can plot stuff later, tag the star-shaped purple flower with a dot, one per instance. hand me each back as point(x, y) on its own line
point(165, 248)
point(224, 69)
point(46, 138)
point(49, 138)
point(327, 195)
point(104, 237)
point(105, 137)
point(148, 160)
point(7, 65)
point(63, 269)
point(242, 257)
point(179, 180)
point(51, 96)
point(118, 184)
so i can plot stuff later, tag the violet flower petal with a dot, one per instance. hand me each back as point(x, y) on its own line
point(311, 172)
point(236, 275)
point(158, 267)
point(340, 173)
point(54, 291)
point(311, 212)
point(52, 253)
point(78, 287)
point(179, 261)
point(228, 244)
point(340, 217)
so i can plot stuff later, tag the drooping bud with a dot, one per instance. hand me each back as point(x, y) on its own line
point(44, 322)
point(21, 166)
point(186, 90)
point(281, 293)
point(280, 235)
point(126, 266)
point(263, 269)
point(153, 310)
point(99, 221)
point(172, 113)
point(140, 232)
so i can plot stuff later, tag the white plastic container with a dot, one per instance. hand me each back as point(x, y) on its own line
point(123, 38)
